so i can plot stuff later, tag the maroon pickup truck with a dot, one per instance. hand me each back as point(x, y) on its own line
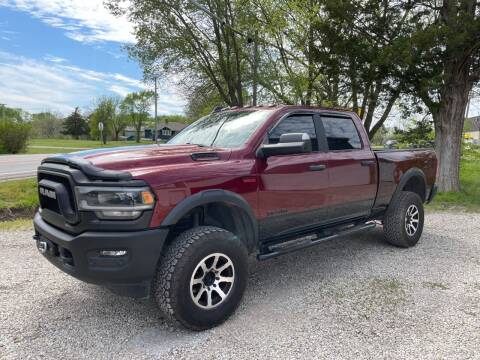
point(177, 221)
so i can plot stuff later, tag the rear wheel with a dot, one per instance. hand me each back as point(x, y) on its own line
point(201, 277)
point(403, 222)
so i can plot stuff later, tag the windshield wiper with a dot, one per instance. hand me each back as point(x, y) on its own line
point(200, 145)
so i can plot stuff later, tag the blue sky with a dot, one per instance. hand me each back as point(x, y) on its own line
point(58, 54)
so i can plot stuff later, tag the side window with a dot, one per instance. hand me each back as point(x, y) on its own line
point(295, 124)
point(341, 133)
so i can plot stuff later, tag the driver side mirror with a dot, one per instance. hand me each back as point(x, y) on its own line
point(289, 144)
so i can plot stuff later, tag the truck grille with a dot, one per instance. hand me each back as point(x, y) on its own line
point(52, 200)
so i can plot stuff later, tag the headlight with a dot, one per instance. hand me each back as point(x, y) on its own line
point(114, 203)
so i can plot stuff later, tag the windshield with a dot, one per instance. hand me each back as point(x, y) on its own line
point(223, 129)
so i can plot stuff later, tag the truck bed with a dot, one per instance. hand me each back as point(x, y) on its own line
point(393, 163)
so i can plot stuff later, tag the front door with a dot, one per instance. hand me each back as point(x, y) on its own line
point(293, 189)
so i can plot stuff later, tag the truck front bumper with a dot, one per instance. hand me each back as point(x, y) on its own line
point(124, 262)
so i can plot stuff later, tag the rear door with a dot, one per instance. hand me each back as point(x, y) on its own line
point(352, 168)
point(293, 188)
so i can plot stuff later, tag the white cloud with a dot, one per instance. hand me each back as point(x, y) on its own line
point(54, 59)
point(120, 90)
point(84, 21)
point(130, 81)
point(38, 86)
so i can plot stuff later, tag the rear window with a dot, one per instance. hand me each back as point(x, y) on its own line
point(341, 133)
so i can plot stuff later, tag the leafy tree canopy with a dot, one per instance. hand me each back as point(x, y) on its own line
point(75, 125)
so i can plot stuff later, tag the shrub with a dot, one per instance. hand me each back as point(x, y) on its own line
point(13, 136)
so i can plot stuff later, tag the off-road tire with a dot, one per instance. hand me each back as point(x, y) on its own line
point(394, 223)
point(171, 285)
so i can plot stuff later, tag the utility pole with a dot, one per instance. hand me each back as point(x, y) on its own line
point(156, 106)
point(255, 69)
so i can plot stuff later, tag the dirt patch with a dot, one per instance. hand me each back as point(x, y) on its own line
point(7, 214)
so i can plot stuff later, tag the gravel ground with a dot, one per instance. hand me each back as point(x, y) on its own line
point(351, 298)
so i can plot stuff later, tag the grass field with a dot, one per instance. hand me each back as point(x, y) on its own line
point(469, 196)
point(52, 146)
point(18, 194)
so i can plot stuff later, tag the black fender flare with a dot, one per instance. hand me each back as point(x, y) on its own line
point(216, 196)
point(409, 174)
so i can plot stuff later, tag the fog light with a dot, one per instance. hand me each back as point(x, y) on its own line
point(118, 214)
point(113, 252)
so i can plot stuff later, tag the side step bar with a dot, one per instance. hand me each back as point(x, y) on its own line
point(308, 241)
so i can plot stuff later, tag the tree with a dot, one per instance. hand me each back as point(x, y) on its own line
point(75, 125)
point(7, 113)
point(362, 46)
point(46, 125)
point(420, 133)
point(14, 135)
point(381, 136)
point(103, 113)
point(201, 102)
point(174, 118)
point(107, 111)
point(447, 45)
point(136, 106)
point(119, 119)
point(286, 69)
point(195, 41)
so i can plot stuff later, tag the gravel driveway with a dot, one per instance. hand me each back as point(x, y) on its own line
point(351, 298)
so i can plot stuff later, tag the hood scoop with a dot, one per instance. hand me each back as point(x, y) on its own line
point(205, 156)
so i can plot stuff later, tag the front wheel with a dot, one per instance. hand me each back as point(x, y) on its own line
point(201, 277)
point(403, 222)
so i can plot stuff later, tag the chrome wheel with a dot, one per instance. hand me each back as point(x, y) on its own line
point(212, 280)
point(412, 218)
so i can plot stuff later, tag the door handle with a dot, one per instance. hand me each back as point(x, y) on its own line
point(318, 167)
point(367, 162)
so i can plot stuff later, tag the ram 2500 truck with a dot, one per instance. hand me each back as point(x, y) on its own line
point(177, 221)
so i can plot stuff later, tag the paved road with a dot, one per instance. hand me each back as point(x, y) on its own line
point(19, 166)
point(352, 298)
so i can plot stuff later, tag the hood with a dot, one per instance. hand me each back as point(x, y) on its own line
point(137, 158)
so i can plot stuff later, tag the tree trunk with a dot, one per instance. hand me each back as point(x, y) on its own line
point(448, 136)
point(138, 135)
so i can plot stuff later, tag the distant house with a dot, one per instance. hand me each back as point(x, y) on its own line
point(472, 130)
point(170, 129)
point(165, 130)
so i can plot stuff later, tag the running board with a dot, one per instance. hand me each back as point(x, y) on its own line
point(308, 241)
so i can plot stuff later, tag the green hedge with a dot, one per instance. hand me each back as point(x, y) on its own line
point(13, 136)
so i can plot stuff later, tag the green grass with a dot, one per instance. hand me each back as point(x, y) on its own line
point(70, 145)
point(469, 196)
point(50, 150)
point(18, 194)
